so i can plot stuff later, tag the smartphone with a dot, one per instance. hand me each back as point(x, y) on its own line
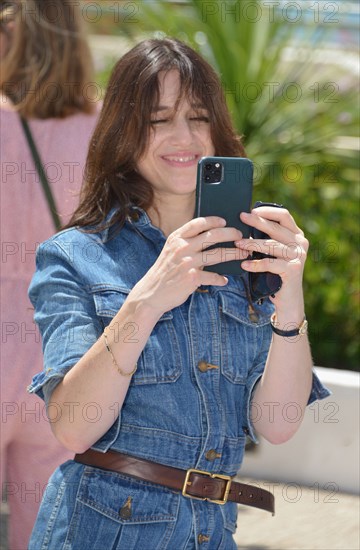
point(224, 188)
point(263, 284)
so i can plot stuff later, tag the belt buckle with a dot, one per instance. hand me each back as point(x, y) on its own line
point(228, 479)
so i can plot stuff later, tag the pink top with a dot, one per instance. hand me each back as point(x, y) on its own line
point(25, 222)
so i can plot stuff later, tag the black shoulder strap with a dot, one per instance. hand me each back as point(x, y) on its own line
point(40, 170)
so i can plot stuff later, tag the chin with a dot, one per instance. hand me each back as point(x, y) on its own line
point(185, 189)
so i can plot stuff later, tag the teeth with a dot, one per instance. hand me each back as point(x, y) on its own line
point(181, 159)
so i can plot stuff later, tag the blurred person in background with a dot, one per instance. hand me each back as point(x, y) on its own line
point(46, 79)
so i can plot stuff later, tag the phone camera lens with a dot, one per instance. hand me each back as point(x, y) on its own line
point(212, 172)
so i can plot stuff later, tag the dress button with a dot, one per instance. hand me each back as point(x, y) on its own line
point(203, 366)
point(212, 454)
point(125, 512)
point(203, 538)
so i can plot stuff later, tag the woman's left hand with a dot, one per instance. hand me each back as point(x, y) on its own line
point(287, 244)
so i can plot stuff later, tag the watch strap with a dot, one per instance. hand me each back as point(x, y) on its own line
point(298, 331)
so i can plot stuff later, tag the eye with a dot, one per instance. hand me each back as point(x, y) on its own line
point(159, 121)
point(200, 118)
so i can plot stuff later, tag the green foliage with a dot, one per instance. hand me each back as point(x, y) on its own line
point(293, 113)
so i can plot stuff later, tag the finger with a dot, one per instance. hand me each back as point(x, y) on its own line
point(280, 215)
point(216, 235)
point(218, 255)
point(199, 225)
point(288, 252)
point(272, 228)
point(213, 279)
point(277, 266)
point(201, 277)
point(265, 219)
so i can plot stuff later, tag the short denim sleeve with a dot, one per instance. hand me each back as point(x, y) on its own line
point(318, 391)
point(65, 314)
point(255, 373)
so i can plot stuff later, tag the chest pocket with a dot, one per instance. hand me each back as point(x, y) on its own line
point(160, 360)
point(241, 335)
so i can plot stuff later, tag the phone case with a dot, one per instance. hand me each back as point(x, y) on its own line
point(263, 284)
point(227, 197)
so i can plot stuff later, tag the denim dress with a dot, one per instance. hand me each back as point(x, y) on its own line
point(188, 404)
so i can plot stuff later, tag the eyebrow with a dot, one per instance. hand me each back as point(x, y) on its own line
point(160, 108)
point(166, 108)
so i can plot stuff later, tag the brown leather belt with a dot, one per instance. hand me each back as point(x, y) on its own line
point(191, 483)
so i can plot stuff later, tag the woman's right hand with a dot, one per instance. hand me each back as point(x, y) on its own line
point(178, 271)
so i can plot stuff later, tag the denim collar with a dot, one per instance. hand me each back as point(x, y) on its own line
point(138, 220)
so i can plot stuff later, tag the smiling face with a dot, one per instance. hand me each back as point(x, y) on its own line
point(179, 137)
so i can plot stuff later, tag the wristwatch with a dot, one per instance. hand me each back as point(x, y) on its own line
point(299, 331)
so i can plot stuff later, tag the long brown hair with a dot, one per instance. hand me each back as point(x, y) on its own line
point(47, 67)
point(123, 129)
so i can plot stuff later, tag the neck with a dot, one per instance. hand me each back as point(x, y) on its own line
point(169, 214)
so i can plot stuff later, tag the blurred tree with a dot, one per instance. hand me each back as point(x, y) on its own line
point(297, 117)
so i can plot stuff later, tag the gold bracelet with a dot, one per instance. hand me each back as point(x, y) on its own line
point(114, 360)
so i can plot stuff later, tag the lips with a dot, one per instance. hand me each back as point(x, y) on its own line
point(181, 159)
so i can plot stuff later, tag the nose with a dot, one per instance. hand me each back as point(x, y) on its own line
point(182, 133)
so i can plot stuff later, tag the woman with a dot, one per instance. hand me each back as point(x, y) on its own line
point(151, 361)
point(45, 69)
